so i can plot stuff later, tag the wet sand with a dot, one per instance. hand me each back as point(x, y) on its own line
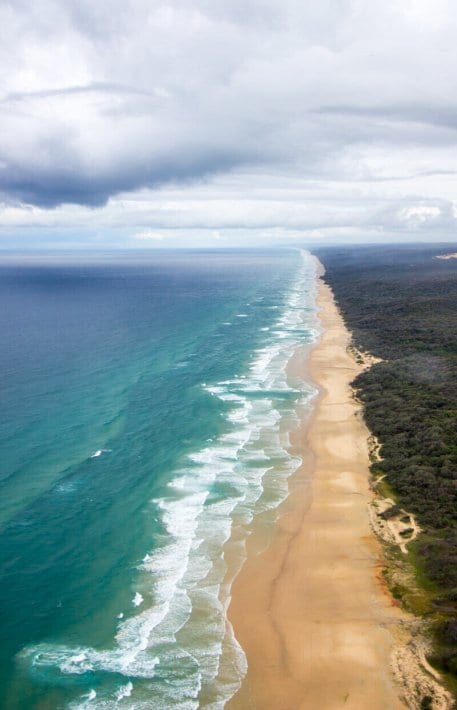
point(310, 610)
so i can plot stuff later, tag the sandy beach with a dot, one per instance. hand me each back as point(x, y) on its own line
point(310, 610)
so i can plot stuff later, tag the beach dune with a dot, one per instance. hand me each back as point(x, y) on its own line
point(310, 609)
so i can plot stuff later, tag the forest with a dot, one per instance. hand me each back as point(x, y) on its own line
point(400, 302)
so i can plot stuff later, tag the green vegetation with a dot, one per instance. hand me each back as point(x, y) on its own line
point(401, 305)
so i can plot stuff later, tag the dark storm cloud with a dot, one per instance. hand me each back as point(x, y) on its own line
point(67, 181)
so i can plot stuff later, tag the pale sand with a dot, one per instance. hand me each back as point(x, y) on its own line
point(310, 611)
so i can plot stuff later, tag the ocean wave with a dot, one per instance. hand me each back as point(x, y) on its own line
point(49, 659)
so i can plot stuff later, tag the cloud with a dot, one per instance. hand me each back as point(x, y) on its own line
point(323, 116)
point(148, 235)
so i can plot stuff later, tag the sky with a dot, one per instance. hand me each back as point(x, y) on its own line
point(227, 123)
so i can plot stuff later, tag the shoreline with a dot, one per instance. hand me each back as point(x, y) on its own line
point(310, 611)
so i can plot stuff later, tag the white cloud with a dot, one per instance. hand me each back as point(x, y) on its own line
point(147, 235)
point(313, 119)
point(418, 215)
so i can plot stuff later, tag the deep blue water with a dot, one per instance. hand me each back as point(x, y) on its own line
point(140, 401)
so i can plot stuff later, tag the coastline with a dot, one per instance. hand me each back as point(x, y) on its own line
point(310, 611)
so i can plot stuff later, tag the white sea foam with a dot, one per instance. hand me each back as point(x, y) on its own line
point(182, 625)
point(124, 691)
point(86, 701)
point(126, 659)
point(79, 663)
point(99, 452)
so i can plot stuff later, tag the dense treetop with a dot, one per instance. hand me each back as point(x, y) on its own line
point(400, 302)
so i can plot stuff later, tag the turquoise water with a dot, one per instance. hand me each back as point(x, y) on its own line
point(145, 412)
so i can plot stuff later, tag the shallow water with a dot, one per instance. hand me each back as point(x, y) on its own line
point(145, 411)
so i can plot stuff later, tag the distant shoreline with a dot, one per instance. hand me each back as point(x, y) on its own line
point(316, 623)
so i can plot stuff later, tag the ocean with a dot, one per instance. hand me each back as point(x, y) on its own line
point(145, 416)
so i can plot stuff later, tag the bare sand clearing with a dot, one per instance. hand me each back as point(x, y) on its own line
point(310, 610)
